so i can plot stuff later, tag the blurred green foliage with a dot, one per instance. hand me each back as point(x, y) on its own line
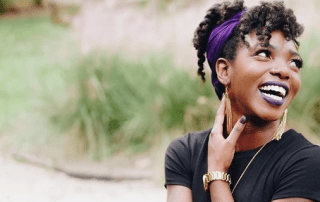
point(123, 104)
point(35, 58)
point(305, 108)
point(5, 1)
point(3, 6)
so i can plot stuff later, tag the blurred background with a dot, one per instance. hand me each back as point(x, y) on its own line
point(93, 91)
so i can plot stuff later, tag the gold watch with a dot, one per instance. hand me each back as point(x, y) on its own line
point(216, 175)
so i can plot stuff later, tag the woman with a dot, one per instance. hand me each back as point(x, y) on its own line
point(255, 71)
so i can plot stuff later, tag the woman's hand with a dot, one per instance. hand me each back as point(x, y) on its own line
point(221, 150)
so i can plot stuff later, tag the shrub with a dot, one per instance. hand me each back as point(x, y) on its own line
point(306, 105)
point(123, 104)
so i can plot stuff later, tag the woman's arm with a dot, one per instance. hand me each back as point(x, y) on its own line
point(220, 154)
point(221, 190)
point(177, 193)
point(293, 200)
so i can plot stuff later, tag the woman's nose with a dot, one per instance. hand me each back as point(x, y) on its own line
point(281, 70)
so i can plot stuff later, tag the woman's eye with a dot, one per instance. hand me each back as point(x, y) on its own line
point(264, 53)
point(296, 63)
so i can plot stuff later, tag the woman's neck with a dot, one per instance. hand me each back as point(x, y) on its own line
point(256, 133)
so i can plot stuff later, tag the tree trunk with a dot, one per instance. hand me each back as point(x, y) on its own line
point(3, 7)
point(38, 3)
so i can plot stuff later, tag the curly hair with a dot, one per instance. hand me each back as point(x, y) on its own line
point(263, 19)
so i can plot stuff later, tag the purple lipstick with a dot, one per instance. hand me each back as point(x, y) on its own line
point(274, 92)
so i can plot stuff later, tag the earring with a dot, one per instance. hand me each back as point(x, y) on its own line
point(228, 110)
point(281, 127)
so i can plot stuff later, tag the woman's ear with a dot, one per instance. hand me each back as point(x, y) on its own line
point(223, 71)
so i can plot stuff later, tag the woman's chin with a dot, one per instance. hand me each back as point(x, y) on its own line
point(264, 118)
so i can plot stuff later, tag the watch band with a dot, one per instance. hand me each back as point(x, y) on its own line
point(216, 175)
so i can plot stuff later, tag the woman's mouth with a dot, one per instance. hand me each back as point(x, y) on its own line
point(274, 92)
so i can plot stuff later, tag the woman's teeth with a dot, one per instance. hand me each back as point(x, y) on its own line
point(275, 92)
point(277, 89)
point(275, 97)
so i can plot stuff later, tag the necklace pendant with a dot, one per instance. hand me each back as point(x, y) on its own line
point(277, 137)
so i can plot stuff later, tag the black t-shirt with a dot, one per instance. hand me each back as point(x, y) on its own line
point(287, 168)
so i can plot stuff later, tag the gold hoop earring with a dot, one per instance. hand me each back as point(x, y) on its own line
point(228, 111)
point(281, 127)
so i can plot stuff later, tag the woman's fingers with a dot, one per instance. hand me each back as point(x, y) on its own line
point(237, 129)
point(218, 122)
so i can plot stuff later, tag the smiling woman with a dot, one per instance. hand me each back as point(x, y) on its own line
point(263, 79)
point(249, 154)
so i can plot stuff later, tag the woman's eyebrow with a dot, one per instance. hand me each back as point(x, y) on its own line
point(277, 48)
point(294, 53)
point(270, 46)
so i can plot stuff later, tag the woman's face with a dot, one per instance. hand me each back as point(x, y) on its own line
point(264, 80)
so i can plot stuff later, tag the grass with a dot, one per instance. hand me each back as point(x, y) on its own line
point(127, 105)
point(305, 107)
point(34, 60)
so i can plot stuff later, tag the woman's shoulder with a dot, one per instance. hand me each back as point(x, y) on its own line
point(191, 140)
point(188, 147)
point(294, 139)
point(182, 156)
point(300, 147)
point(300, 165)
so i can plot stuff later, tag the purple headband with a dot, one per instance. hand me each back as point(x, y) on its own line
point(217, 39)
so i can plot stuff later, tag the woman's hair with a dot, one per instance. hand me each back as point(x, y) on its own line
point(262, 19)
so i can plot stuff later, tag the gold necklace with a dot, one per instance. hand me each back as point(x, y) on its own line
point(276, 136)
point(249, 165)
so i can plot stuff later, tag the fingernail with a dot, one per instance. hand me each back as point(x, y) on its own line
point(243, 119)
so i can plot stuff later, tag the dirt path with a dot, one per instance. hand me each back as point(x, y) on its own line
point(23, 182)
